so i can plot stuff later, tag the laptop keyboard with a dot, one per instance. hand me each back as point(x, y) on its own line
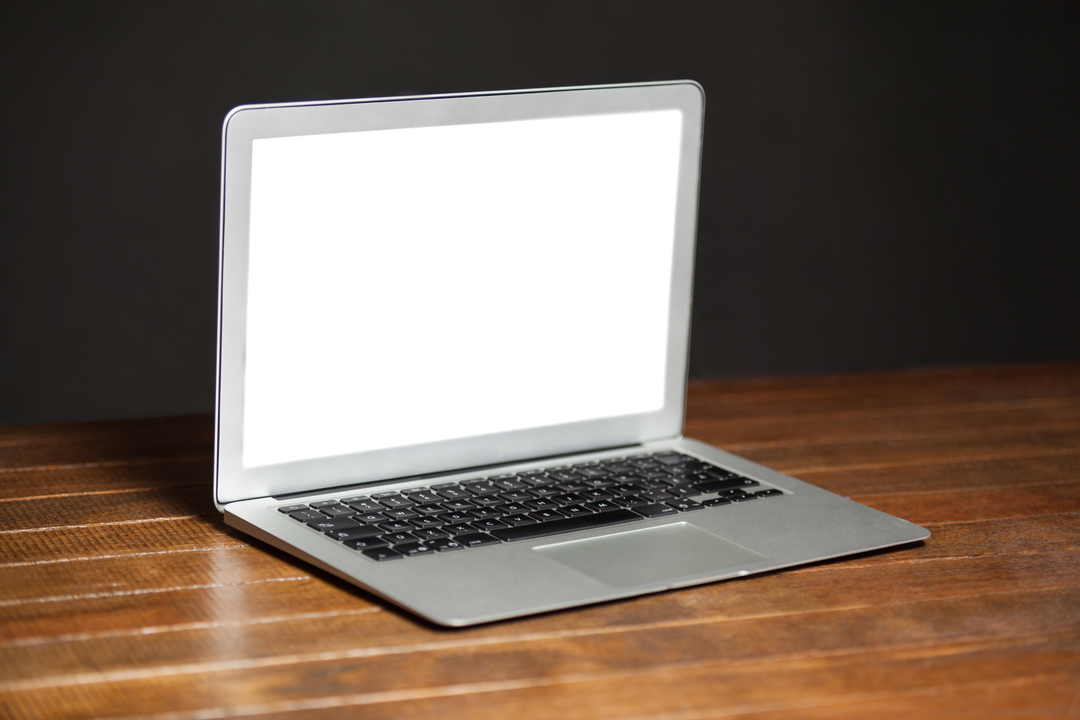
point(535, 503)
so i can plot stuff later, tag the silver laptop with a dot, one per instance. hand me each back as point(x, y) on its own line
point(453, 348)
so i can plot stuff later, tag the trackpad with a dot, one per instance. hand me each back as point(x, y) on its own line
point(651, 555)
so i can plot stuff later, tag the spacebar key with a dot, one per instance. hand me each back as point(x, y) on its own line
point(556, 527)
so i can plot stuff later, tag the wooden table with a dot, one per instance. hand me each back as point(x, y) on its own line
point(124, 594)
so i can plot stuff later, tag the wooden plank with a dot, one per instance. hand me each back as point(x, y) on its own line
point(870, 454)
point(966, 505)
point(942, 423)
point(285, 595)
point(823, 589)
point(65, 544)
point(129, 429)
point(685, 660)
point(109, 449)
point(147, 572)
point(70, 510)
point(978, 383)
point(1043, 683)
point(105, 478)
point(58, 511)
point(963, 475)
point(983, 617)
point(38, 578)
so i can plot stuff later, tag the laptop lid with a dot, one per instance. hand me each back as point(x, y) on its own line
point(422, 284)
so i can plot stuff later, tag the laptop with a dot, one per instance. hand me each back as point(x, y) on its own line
point(452, 361)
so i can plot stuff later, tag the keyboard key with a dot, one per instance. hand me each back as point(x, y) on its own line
point(382, 554)
point(400, 513)
point(518, 519)
point(486, 525)
point(541, 479)
point(460, 529)
point(292, 508)
point(323, 503)
point(477, 539)
point(445, 545)
point(422, 496)
point(365, 506)
point(428, 509)
point(392, 500)
point(480, 487)
point(673, 458)
point(546, 491)
point(678, 481)
point(337, 511)
point(685, 505)
point(394, 526)
point(743, 498)
point(516, 495)
point(603, 506)
point(370, 518)
point(771, 492)
point(546, 515)
point(572, 510)
point(487, 500)
point(555, 527)
point(631, 501)
point(568, 499)
point(453, 518)
point(716, 501)
point(453, 493)
point(713, 485)
point(413, 549)
point(332, 524)
point(364, 531)
point(513, 508)
point(484, 513)
point(307, 515)
point(398, 537)
point(507, 482)
point(426, 522)
point(657, 510)
point(458, 505)
point(541, 503)
point(365, 543)
point(430, 533)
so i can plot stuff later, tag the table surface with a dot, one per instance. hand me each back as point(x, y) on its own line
point(124, 594)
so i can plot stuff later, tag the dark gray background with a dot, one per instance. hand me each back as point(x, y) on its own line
point(886, 184)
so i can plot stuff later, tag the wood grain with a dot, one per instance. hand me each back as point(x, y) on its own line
point(122, 593)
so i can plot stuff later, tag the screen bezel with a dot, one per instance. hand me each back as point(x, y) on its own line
point(245, 124)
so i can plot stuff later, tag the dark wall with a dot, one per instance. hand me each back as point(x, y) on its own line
point(885, 184)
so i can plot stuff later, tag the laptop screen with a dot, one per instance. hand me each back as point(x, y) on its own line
point(416, 285)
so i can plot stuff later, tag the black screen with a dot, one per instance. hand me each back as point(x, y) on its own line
point(416, 285)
